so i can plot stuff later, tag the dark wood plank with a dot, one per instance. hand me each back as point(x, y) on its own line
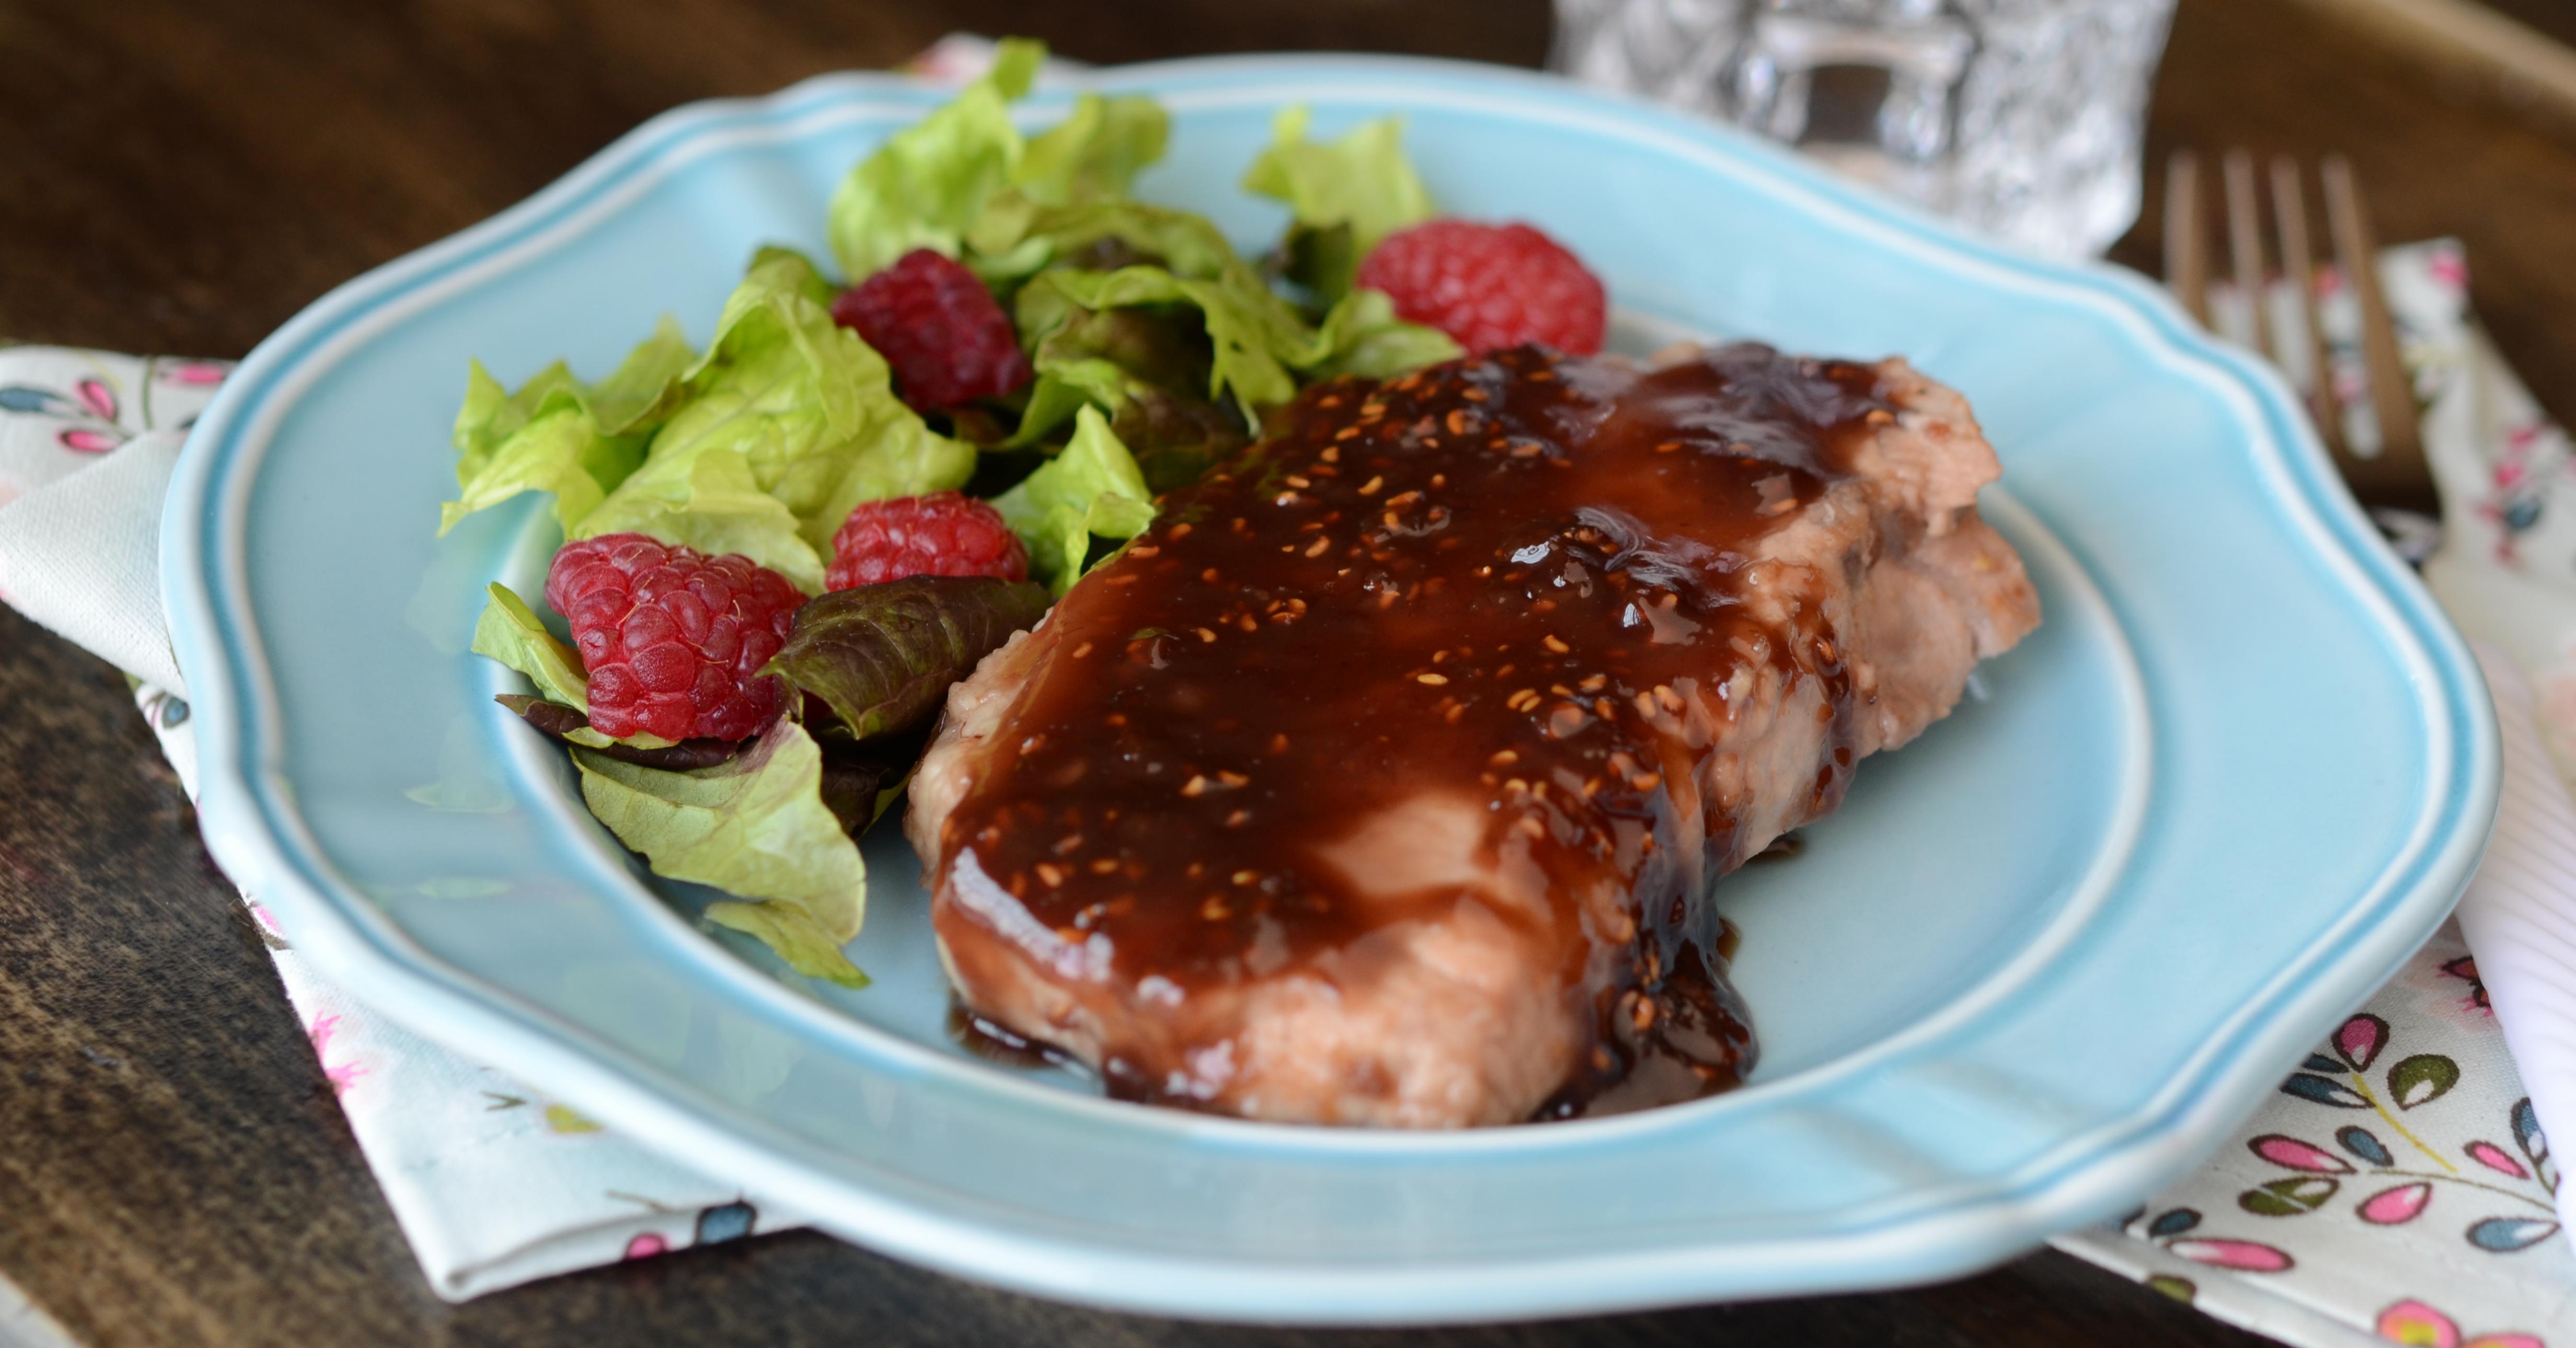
point(204, 171)
point(183, 177)
point(2556, 18)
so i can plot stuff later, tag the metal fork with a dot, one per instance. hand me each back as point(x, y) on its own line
point(2397, 477)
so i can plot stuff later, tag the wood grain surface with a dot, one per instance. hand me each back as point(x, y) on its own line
point(182, 177)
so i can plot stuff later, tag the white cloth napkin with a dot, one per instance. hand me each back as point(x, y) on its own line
point(87, 442)
point(492, 1183)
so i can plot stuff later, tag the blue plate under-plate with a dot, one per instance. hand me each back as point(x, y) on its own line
point(2035, 966)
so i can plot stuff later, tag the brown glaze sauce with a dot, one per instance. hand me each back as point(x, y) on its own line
point(1488, 578)
point(994, 1044)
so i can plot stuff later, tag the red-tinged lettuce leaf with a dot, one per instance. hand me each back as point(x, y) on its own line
point(882, 656)
point(861, 779)
point(567, 724)
point(1176, 440)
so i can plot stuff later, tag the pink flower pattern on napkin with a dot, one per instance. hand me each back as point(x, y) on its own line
point(2509, 1203)
point(2402, 1156)
point(64, 411)
point(2413, 1322)
point(341, 1074)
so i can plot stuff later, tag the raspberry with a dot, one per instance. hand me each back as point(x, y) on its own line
point(1489, 286)
point(942, 534)
point(947, 339)
point(672, 639)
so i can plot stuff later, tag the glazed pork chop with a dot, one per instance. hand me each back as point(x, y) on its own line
point(1383, 781)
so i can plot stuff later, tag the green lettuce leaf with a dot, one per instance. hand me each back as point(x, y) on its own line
point(492, 414)
point(639, 393)
point(785, 405)
point(1362, 337)
point(1346, 195)
point(1095, 152)
point(714, 504)
point(927, 184)
point(556, 435)
point(1068, 204)
point(801, 940)
point(1247, 324)
point(964, 182)
point(882, 656)
point(1362, 180)
point(1064, 386)
point(1108, 357)
point(1017, 238)
point(510, 632)
point(755, 827)
point(561, 451)
point(1109, 338)
point(1147, 368)
point(1092, 487)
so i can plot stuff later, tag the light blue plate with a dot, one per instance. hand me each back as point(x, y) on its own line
point(2032, 970)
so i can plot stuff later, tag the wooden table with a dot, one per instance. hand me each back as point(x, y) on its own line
point(182, 177)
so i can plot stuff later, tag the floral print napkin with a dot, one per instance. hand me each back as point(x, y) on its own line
point(2399, 1186)
point(87, 441)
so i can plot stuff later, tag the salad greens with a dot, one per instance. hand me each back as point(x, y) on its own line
point(1132, 342)
point(1094, 153)
point(882, 656)
point(755, 827)
point(1250, 327)
point(1346, 196)
point(787, 422)
point(1092, 487)
point(562, 721)
point(1157, 351)
point(928, 184)
point(557, 435)
point(510, 632)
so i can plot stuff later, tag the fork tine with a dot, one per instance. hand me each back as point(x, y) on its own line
point(2245, 245)
point(2392, 396)
point(2186, 246)
point(2290, 217)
